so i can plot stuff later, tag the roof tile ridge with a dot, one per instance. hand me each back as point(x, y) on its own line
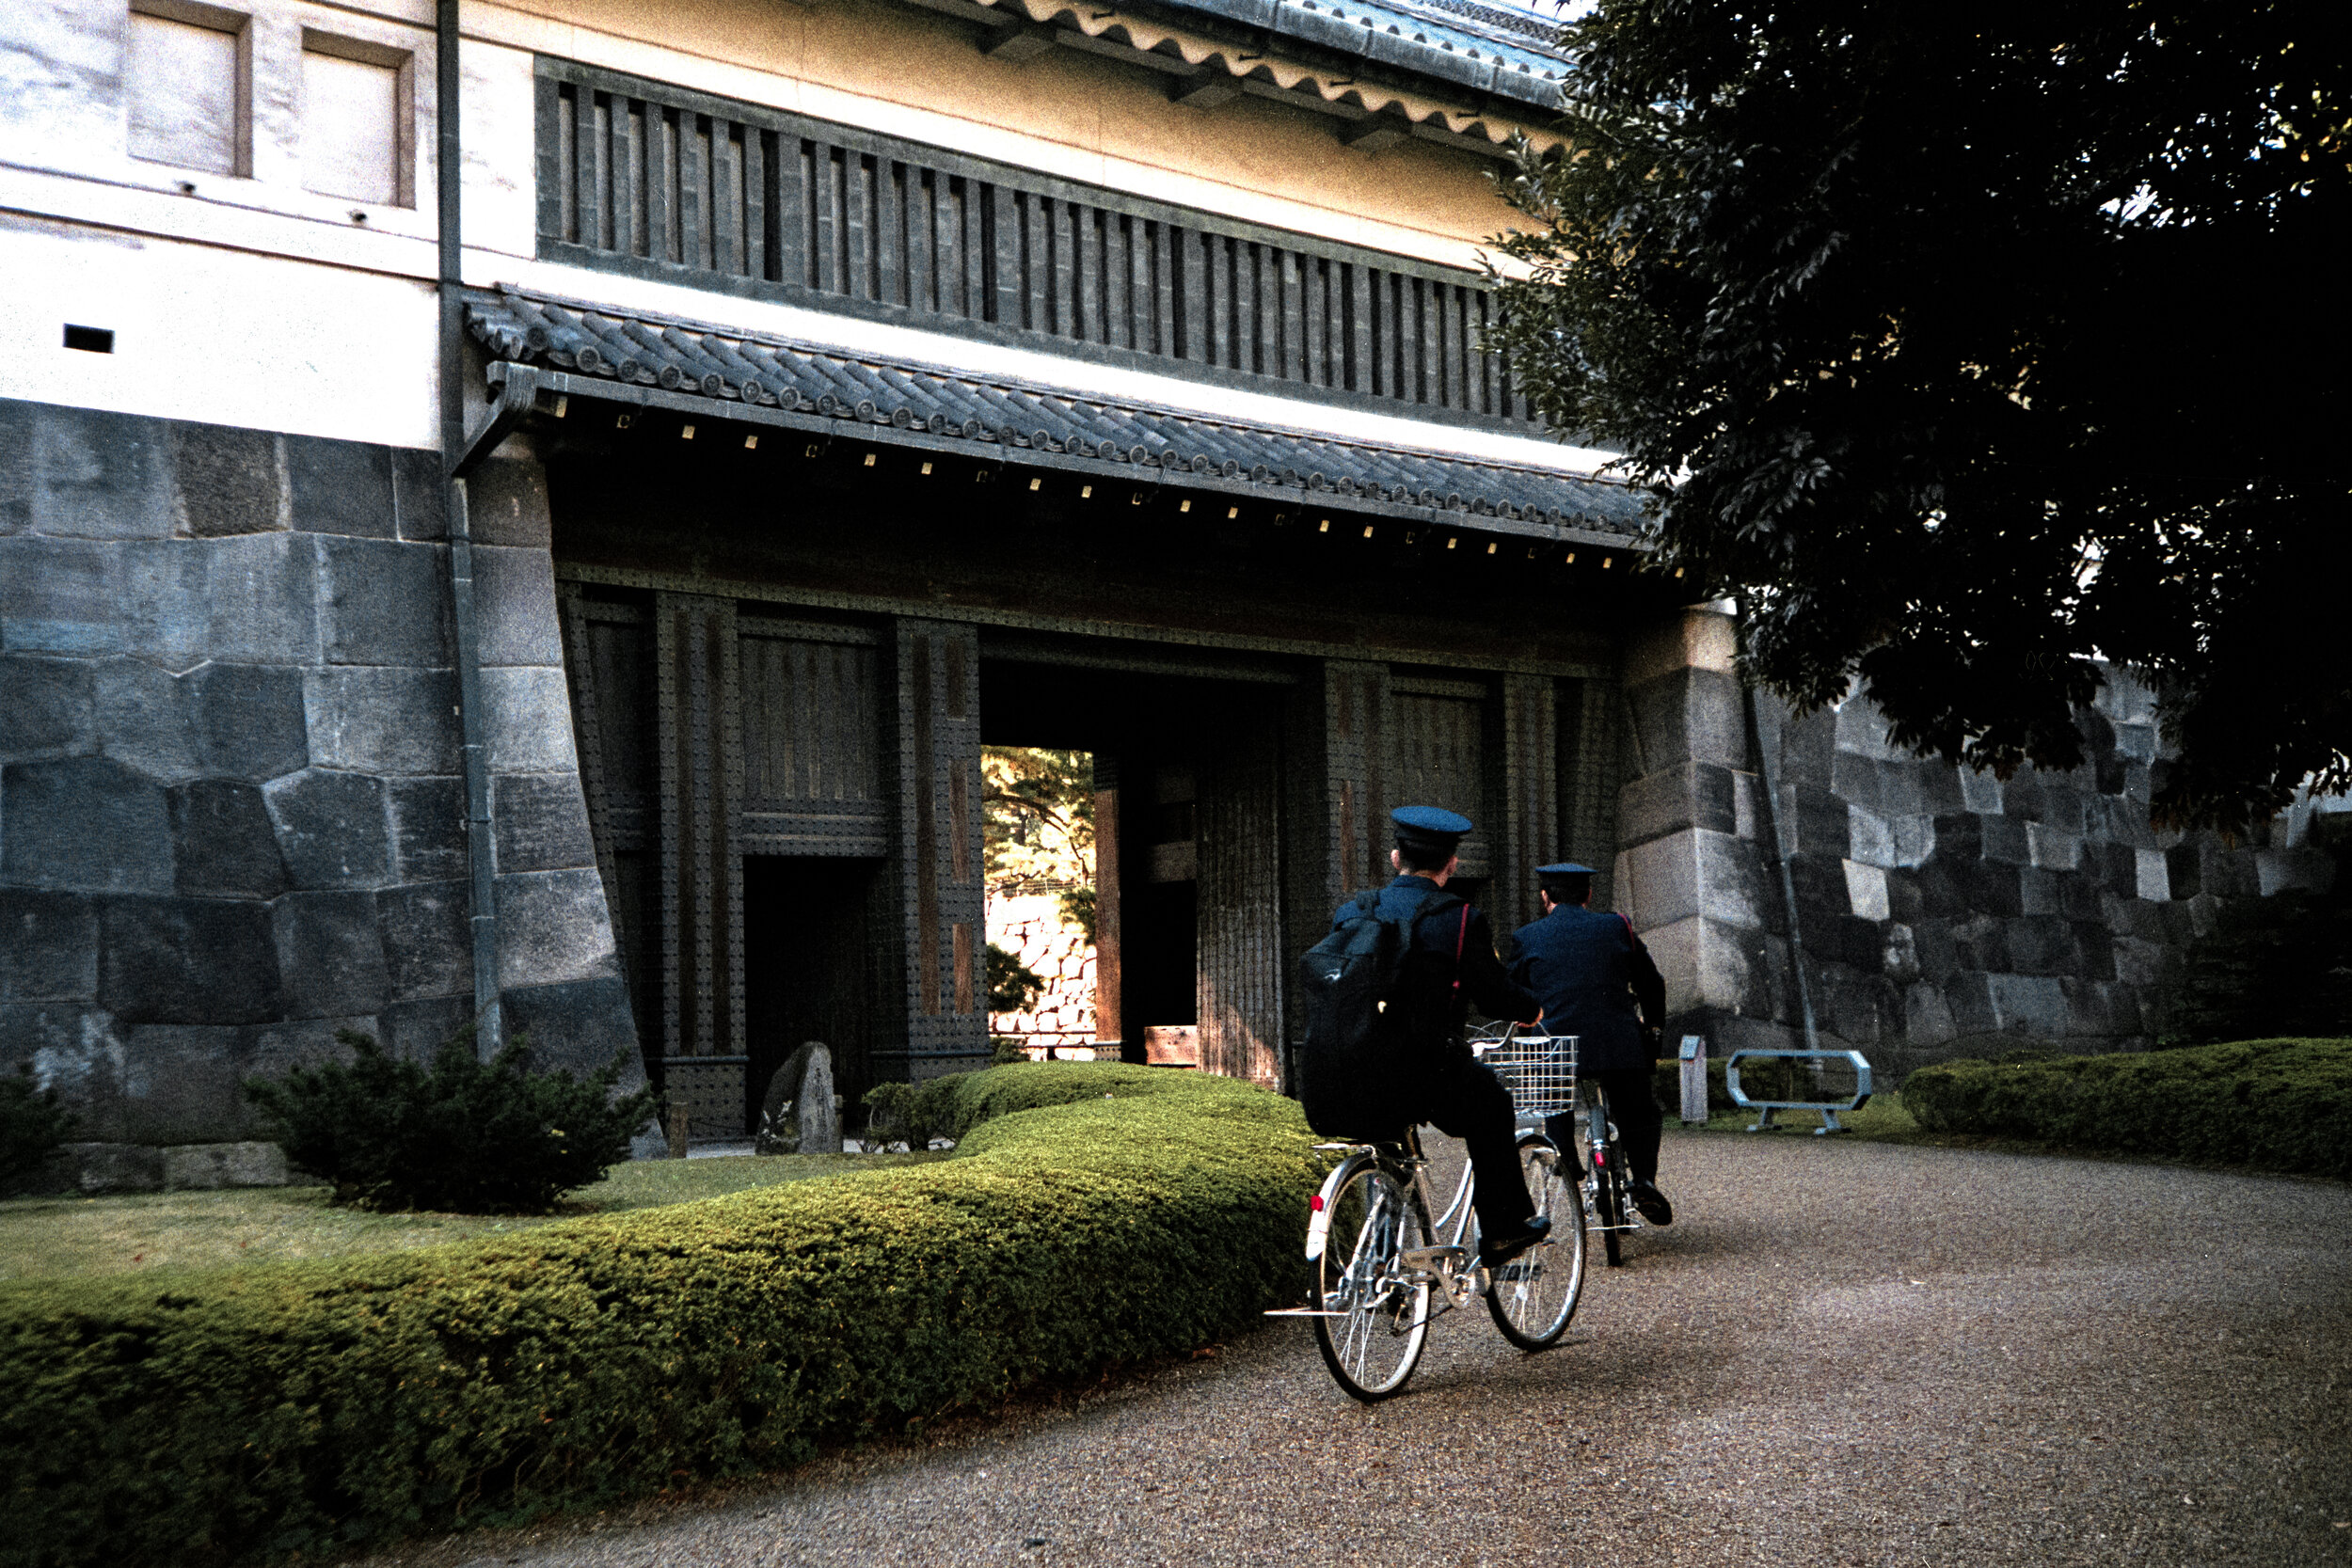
point(1011, 384)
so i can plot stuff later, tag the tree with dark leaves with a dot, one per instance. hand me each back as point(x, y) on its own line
point(1969, 344)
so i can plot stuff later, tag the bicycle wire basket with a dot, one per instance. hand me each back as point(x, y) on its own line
point(1538, 1069)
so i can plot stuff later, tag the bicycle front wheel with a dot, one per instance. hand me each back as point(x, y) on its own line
point(1534, 1295)
point(1379, 1316)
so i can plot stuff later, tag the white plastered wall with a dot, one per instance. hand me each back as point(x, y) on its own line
point(253, 301)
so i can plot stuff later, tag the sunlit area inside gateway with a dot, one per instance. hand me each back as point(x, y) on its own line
point(1041, 949)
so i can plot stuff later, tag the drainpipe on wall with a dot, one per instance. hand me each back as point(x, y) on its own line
point(1767, 732)
point(480, 847)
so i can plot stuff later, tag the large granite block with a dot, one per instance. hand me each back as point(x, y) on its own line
point(2066, 803)
point(2094, 948)
point(83, 822)
point(186, 960)
point(48, 947)
point(96, 474)
point(2040, 892)
point(229, 482)
point(1687, 795)
point(60, 596)
point(248, 720)
point(1861, 730)
point(1981, 944)
point(419, 494)
point(274, 1049)
point(18, 477)
point(2053, 848)
point(553, 926)
point(2030, 1004)
point(1678, 639)
point(506, 504)
point(1657, 882)
point(577, 1026)
point(263, 594)
point(514, 600)
point(1821, 883)
point(215, 1166)
point(340, 486)
point(386, 602)
point(1904, 900)
point(2003, 839)
point(2081, 897)
point(1936, 948)
point(1871, 839)
point(182, 1082)
point(414, 1031)
point(144, 719)
point(2144, 964)
point(1927, 1016)
point(163, 602)
point(1865, 890)
point(1856, 779)
point(527, 722)
point(1900, 959)
point(1817, 822)
point(1854, 1006)
point(46, 705)
point(2137, 742)
point(541, 821)
point(2185, 868)
point(331, 827)
point(379, 721)
point(330, 953)
point(1980, 793)
point(223, 842)
point(2278, 871)
point(2042, 945)
point(426, 941)
point(1688, 715)
point(1808, 749)
point(428, 818)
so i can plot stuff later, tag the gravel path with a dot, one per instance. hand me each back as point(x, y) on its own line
point(1841, 1354)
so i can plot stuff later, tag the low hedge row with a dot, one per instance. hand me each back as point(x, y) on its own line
point(304, 1406)
point(2279, 1105)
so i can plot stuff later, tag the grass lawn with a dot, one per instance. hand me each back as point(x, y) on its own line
point(47, 1237)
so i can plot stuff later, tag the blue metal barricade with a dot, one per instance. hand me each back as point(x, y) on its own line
point(1829, 1108)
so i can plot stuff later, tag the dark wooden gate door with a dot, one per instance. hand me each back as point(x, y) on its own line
point(1242, 954)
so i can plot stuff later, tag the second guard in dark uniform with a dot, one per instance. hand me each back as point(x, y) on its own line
point(1596, 981)
point(1451, 965)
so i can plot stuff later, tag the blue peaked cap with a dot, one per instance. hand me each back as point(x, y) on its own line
point(1429, 827)
point(1565, 868)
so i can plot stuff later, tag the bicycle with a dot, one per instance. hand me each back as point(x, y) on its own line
point(1375, 1271)
point(1608, 1180)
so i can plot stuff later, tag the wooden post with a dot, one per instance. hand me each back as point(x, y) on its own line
point(1694, 1080)
point(1110, 1019)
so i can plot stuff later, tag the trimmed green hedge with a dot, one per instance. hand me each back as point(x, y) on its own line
point(210, 1416)
point(2282, 1104)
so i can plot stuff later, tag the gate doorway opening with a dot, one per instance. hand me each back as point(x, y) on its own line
point(1186, 824)
point(1039, 833)
point(812, 968)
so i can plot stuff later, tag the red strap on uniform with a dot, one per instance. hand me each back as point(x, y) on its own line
point(1459, 938)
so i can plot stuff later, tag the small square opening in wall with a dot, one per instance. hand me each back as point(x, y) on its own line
point(89, 340)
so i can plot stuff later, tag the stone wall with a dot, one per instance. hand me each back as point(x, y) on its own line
point(1031, 926)
point(231, 820)
point(1940, 911)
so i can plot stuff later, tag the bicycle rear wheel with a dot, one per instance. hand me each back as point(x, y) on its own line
point(1382, 1317)
point(1534, 1295)
point(1607, 1163)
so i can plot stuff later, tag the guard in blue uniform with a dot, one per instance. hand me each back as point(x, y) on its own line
point(1452, 964)
point(1596, 981)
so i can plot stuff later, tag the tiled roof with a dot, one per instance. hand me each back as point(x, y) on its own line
point(640, 358)
point(1480, 48)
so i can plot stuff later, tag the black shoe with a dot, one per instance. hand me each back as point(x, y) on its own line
point(1651, 1202)
point(1502, 1250)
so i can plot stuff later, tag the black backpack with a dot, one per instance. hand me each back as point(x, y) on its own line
point(1357, 1065)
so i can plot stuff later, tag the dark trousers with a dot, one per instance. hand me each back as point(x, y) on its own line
point(1633, 1106)
point(1468, 1101)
